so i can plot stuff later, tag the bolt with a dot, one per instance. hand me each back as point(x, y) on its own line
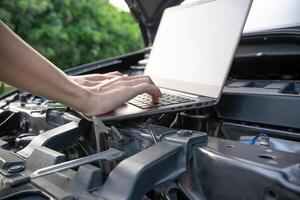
point(184, 133)
point(16, 169)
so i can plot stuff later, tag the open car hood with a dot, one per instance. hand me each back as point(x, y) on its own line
point(148, 14)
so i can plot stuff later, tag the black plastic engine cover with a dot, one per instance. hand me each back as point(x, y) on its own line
point(229, 170)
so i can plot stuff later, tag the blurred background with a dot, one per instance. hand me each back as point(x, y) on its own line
point(73, 32)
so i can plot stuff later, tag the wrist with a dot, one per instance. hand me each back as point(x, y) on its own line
point(84, 99)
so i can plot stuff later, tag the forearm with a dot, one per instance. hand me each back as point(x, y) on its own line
point(24, 68)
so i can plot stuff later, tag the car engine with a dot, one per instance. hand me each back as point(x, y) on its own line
point(245, 147)
point(49, 151)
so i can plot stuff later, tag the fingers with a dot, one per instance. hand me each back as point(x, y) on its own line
point(146, 88)
point(117, 73)
point(111, 77)
point(128, 87)
point(122, 94)
point(97, 77)
point(107, 100)
point(143, 77)
point(126, 81)
point(135, 84)
point(91, 80)
point(89, 83)
point(100, 77)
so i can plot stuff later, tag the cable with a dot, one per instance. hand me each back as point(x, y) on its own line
point(152, 135)
point(2, 123)
point(257, 137)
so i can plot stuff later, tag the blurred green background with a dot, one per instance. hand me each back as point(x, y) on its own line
point(72, 32)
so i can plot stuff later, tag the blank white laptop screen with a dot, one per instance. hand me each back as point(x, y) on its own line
point(195, 44)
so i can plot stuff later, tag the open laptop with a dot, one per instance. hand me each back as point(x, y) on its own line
point(190, 58)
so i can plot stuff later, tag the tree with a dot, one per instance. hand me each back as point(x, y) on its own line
point(72, 32)
point(1, 88)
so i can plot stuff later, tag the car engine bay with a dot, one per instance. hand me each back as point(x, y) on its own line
point(245, 147)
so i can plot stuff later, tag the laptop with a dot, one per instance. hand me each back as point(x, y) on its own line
point(190, 57)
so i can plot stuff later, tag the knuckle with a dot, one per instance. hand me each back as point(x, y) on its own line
point(96, 75)
point(146, 77)
point(85, 82)
point(117, 79)
point(122, 78)
point(147, 86)
point(149, 79)
point(144, 85)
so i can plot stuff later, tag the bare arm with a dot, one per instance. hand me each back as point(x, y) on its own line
point(23, 67)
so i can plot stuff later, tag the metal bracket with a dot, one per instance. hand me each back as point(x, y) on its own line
point(53, 138)
point(109, 155)
point(160, 163)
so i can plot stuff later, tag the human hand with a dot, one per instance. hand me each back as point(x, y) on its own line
point(111, 93)
point(88, 94)
point(91, 80)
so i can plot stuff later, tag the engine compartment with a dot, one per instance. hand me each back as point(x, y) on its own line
point(243, 148)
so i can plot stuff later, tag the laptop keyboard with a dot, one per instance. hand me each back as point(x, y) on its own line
point(144, 101)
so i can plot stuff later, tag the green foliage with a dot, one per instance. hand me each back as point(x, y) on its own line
point(72, 32)
point(4, 88)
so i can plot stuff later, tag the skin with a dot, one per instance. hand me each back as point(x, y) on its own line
point(95, 94)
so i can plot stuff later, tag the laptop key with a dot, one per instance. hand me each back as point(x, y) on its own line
point(144, 101)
